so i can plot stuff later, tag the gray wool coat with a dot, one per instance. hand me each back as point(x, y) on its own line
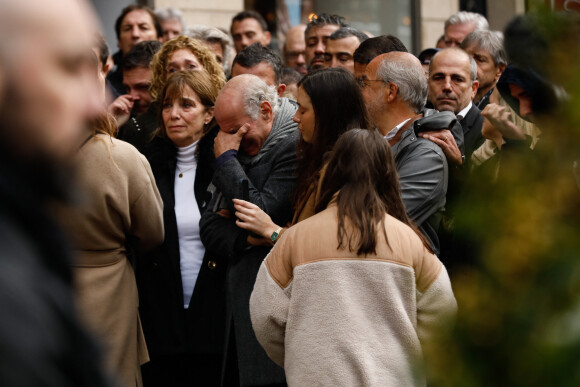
point(272, 180)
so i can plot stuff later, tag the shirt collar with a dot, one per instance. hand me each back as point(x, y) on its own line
point(393, 132)
point(464, 112)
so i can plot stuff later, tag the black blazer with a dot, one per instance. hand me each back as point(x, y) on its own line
point(169, 329)
point(471, 124)
point(272, 181)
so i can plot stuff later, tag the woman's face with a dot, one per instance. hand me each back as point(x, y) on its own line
point(182, 59)
point(185, 117)
point(304, 116)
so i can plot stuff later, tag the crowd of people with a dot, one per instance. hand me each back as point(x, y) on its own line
point(203, 208)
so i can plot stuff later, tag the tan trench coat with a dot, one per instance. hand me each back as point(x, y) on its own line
point(122, 206)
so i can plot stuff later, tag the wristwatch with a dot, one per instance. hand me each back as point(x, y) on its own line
point(275, 234)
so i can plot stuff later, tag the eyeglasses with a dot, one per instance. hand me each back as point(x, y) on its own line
point(364, 82)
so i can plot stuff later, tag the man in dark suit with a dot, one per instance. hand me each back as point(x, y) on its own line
point(452, 86)
point(255, 152)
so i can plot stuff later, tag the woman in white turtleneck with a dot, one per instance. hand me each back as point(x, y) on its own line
point(184, 118)
point(181, 290)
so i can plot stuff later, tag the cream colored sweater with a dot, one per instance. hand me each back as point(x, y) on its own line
point(330, 317)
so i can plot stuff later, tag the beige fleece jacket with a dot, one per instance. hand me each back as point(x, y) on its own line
point(330, 317)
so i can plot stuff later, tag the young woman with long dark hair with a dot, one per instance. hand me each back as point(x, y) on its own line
point(350, 295)
point(329, 104)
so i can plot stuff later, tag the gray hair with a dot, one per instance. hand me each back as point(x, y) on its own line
point(214, 35)
point(464, 17)
point(472, 69)
point(489, 41)
point(345, 32)
point(257, 91)
point(170, 13)
point(410, 80)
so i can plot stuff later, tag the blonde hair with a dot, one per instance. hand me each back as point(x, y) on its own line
point(203, 54)
point(103, 124)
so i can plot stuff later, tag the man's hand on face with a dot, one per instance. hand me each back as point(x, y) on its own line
point(225, 141)
point(121, 108)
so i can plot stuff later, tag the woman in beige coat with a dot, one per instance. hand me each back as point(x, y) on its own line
point(349, 296)
point(121, 207)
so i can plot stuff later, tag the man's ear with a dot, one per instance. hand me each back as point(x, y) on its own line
point(281, 89)
point(268, 36)
point(391, 91)
point(106, 68)
point(499, 72)
point(474, 88)
point(266, 111)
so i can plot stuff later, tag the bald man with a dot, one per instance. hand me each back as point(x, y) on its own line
point(295, 49)
point(395, 90)
point(256, 144)
point(49, 90)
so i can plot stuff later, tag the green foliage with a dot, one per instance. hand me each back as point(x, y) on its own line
point(519, 306)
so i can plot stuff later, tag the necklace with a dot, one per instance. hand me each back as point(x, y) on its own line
point(182, 172)
point(136, 124)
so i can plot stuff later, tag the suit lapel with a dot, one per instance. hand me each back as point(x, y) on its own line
point(166, 188)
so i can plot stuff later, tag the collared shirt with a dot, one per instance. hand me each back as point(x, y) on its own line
point(461, 115)
point(484, 101)
point(393, 132)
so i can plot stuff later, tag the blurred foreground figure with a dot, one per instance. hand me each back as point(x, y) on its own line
point(350, 295)
point(522, 234)
point(48, 90)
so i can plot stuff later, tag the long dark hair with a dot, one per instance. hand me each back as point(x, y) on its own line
point(363, 175)
point(338, 106)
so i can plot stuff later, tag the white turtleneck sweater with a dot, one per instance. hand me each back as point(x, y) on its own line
point(191, 250)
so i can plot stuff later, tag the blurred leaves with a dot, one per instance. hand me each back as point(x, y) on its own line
point(519, 306)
